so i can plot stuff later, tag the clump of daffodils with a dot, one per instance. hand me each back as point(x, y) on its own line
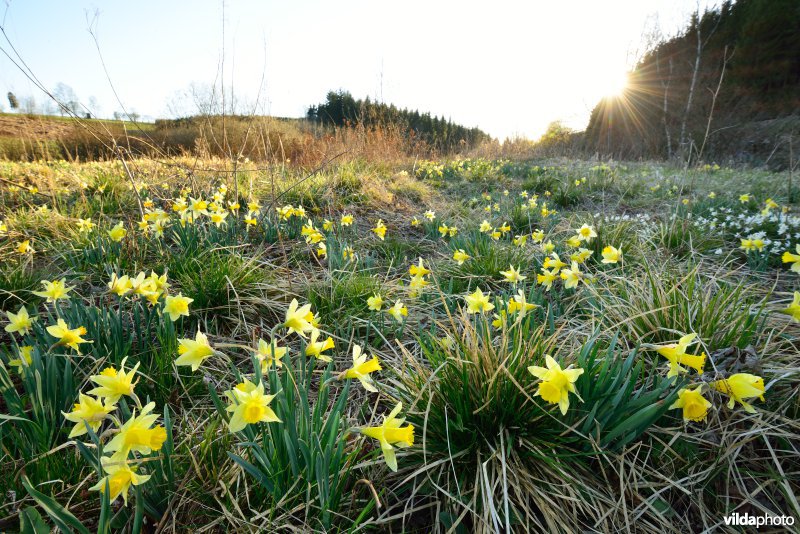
point(131, 441)
point(152, 288)
point(418, 282)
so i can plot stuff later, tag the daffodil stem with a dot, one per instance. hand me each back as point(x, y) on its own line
point(139, 512)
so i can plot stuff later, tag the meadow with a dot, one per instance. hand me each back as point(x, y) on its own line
point(457, 345)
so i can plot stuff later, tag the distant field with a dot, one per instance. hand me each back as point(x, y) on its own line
point(52, 126)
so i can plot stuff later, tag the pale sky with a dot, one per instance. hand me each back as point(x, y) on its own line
point(509, 68)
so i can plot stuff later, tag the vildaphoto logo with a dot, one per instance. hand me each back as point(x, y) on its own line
point(746, 520)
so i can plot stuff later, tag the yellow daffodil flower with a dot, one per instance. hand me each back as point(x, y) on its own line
point(89, 410)
point(556, 383)
point(416, 285)
point(375, 302)
point(25, 359)
point(398, 311)
point(512, 275)
point(255, 206)
point(179, 205)
point(218, 218)
point(572, 276)
point(675, 353)
point(574, 241)
point(137, 434)
point(546, 278)
point(66, 336)
point(55, 290)
point(499, 319)
point(695, 406)
point(419, 269)
point(794, 308)
point(120, 477)
point(117, 233)
point(113, 384)
point(193, 352)
point(316, 348)
point(519, 304)
point(794, 259)
point(380, 229)
point(19, 322)
point(362, 368)
point(581, 255)
point(477, 302)
point(740, 387)
point(269, 355)
point(460, 256)
point(297, 319)
point(198, 207)
point(85, 225)
point(250, 406)
point(177, 306)
point(391, 434)
point(611, 254)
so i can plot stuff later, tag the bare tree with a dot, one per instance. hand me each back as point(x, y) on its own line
point(683, 142)
point(682, 138)
point(94, 106)
point(714, 95)
point(29, 106)
point(67, 99)
point(665, 81)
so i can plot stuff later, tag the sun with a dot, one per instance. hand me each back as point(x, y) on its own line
point(613, 83)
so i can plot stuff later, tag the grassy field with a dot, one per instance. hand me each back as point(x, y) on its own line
point(470, 345)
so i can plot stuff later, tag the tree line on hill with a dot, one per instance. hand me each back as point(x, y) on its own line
point(727, 87)
point(341, 109)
